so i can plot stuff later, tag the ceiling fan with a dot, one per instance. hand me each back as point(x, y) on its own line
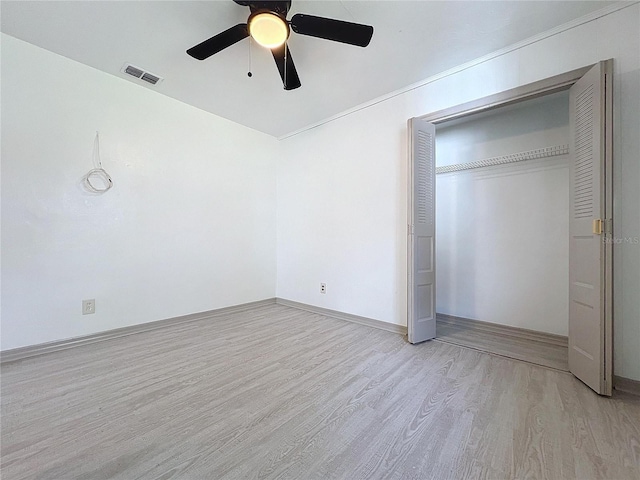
point(268, 26)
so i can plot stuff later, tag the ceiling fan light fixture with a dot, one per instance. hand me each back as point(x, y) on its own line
point(268, 29)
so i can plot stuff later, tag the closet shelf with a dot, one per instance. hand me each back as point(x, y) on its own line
point(512, 158)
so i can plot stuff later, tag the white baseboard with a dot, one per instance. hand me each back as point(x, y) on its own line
point(370, 322)
point(626, 385)
point(21, 353)
point(505, 330)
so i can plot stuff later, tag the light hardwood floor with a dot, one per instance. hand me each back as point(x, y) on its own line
point(276, 392)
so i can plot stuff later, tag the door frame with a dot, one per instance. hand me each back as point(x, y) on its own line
point(530, 91)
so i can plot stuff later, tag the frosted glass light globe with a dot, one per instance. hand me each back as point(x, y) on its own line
point(268, 29)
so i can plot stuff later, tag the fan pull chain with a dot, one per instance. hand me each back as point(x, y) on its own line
point(285, 65)
point(249, 74)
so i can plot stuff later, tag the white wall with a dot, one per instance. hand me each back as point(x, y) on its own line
point(189, 225)
point(502, 232)
point(525, 126)
point(342, 185)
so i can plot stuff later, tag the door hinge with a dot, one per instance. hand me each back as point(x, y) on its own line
point(597, 226)
point(608, 226)
point(409, 229)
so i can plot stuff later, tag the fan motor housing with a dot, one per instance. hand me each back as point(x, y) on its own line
point(279, 7)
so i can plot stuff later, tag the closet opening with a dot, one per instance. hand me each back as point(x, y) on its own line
point(510, 209)
point(502, 230)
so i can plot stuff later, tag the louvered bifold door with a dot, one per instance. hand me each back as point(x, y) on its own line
point(589, 357)
point(421, 315)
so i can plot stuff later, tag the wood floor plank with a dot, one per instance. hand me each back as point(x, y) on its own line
point(275, 392)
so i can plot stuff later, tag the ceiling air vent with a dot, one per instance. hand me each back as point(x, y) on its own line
point(152, 79)
point(141, 74)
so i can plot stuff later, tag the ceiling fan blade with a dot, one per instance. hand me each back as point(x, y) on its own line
point(330, 29)
point(292, 81)
point(219, 42)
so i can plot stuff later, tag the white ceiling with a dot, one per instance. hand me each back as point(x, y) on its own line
point(412, 40)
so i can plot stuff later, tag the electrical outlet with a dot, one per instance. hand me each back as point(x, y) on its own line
point(323, 288)
point(89, 306)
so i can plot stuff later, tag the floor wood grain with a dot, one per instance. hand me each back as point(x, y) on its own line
point(277, 392)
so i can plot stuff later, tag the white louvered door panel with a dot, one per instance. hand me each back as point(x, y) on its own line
point(421, 321)
point(587, 355)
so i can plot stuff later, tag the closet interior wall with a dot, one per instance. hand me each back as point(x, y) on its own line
point(502, 230)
